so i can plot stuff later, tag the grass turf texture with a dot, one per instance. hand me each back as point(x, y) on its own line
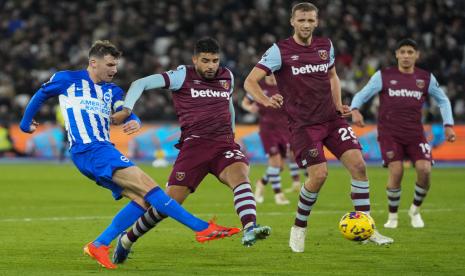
point(49, 212)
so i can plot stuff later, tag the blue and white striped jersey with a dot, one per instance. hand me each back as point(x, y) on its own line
point(86, 106)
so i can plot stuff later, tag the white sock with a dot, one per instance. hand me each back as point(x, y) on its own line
point(392, 216)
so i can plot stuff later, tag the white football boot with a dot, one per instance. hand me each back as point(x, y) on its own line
point(392, 221)
point(379, 239)
point(416, 220)
point(297, 239)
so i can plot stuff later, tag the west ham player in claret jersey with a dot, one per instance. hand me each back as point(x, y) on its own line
point(303, 65)
point(203, 102)
point(403, 90)
point(275, 136)
point(87, 99)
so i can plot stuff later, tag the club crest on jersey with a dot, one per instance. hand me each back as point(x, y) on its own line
point(313, 153)
point(107, 96)
point(225, 84)
point(420, 84)
point(180, 176)
point(323, 54)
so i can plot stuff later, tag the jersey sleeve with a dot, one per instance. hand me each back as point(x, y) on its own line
point(55, 86)
point(271, 60)
point(140, 85)
point(443, 102)
point(175, 78)
point(373, 87)
point(332, 57)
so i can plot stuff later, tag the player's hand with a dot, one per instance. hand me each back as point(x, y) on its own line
point(119, 117)
point(131, 127)
point(344, 111)
point(450, 134)
point(357, 118)
point(275, 101)
point(33, 126)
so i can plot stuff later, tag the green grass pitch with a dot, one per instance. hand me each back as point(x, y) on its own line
point(49, 211)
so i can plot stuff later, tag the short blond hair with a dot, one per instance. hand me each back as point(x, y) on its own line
point(304, 6)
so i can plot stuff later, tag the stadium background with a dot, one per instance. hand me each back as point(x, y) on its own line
point(156, 36)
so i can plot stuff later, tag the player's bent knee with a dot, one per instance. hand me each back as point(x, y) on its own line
point(320, 176)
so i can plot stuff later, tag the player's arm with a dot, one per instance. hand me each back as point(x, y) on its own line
point(270, 62)
point(172, 80)
point(49, 89)
point(249, 105)
point(444, 107)
point(132, 123)
point(135, 91)
point(373, 87)
point(344, 110)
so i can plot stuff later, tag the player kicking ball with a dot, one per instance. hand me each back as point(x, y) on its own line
point(203, 102)
point(87, 100)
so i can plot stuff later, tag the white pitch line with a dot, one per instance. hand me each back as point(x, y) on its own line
point(322, 212)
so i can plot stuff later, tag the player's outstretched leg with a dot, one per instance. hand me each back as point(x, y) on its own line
point(245, 206)
point(145, 223)
point(361, 200)
point(99, 248)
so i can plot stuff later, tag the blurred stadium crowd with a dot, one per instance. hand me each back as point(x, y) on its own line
point(38, 38)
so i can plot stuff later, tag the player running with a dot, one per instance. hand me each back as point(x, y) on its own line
point(403, 91)
point(311, 95)
point(275, 136)
point(203, 102)
point(87, 99)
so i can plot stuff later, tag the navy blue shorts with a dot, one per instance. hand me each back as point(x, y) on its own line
point(99, 162)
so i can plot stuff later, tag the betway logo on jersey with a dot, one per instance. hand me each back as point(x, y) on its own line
point(208, 93)
point(310, 68)
point(405, 93)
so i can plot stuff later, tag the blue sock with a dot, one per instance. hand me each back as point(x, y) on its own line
point(169, 207)
point(125, 218)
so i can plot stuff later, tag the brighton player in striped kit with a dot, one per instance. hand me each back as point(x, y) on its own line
point(403, 90)
point(202, 96)
point(303, 66)
point(87, 99)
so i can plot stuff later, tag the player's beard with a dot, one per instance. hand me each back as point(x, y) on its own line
point(209, 75)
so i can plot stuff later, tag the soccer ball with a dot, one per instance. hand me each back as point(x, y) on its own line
point(356, 226)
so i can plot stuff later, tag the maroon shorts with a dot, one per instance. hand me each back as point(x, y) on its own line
point(393, 149)
point(275, 141)
point(308, 142)
point(198, 157)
